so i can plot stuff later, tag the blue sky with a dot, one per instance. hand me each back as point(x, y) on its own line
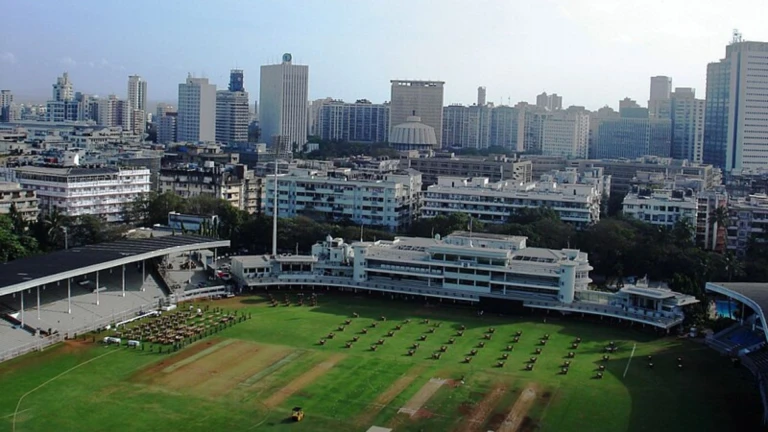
point(591, 52)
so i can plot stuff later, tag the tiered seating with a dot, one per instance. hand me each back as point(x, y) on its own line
point(734, 339)
point(760, 359)
point(744, 337)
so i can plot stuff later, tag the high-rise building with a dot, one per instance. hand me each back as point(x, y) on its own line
point(631, 137)
point(137, 103)
point(85, 107)
point(551, 102)
point(736, 124)
point(111, 112)
point(566, 134)
point(166, 129)
point(659, 104)
point(313, 128)
point(161, 109)
point(62, 106)
point(284, 90)
point(196, 119)
point(63, 90)
point(481, 96)
point(420, 98)
point(137, 93)
point(629, 108)
point(530, 127)
point(454, 125)
point(504, 123)
point(236, 83)
point(232, 116)
point(466, 127)
point(6, 99)
point(687, 125)
point(361, 121)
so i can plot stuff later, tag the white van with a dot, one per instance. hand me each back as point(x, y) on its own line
point(112, 340)
point(134, 343)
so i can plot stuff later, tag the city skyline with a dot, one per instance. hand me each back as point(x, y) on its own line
point(500, 48)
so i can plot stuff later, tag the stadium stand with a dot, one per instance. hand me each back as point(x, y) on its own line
point(80, 289)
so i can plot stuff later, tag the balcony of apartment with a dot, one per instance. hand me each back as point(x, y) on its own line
point(99, 202)
point(72, 193)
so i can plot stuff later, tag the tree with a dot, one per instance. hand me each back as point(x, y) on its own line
point(734, 268)
point(49, 231)
point(527, 215)
point(137, 212)
point(609, 243)
point(443, 225)
point(14, 245)
point(719, 219)
point(683, 233)
point(92, 229)
point(691, 286)
point(17, 219)
point(159, 205)
point(338, 149)
point(614, 204)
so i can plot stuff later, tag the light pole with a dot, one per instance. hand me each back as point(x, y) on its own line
point(66, 238)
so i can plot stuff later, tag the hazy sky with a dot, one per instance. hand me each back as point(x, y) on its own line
point(591, 52)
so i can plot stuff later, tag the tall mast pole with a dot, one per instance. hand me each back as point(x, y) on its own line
point(274, 202)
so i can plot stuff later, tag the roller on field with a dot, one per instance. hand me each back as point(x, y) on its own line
point(297, 414)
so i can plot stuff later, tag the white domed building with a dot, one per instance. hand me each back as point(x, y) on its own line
point(412, 135)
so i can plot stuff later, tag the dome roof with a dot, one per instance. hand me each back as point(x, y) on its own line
point(413, 132)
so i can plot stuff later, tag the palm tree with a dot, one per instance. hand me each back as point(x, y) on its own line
point(719, 218)
point(733, 266)
point(54, 223)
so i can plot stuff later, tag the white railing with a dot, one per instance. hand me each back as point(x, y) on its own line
point(47, 341)
point(204, 292)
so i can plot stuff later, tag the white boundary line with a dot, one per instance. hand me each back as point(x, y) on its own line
point(629, 361)
point(18, 404)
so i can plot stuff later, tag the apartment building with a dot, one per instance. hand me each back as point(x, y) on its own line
point(77, 191)
point(234, 184)
point(494, 202)
point(748, 221)
point(661, 207)
point(710, 234)
point(390, 200)
point(361, 121)
point(625, 172)
point(566, 134)
point(495, 168)
point(467, 126)
point(25, 200)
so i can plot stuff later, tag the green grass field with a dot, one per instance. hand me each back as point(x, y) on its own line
point(250, 375)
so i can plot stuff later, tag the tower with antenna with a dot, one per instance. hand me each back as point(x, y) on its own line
point(736, 37)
